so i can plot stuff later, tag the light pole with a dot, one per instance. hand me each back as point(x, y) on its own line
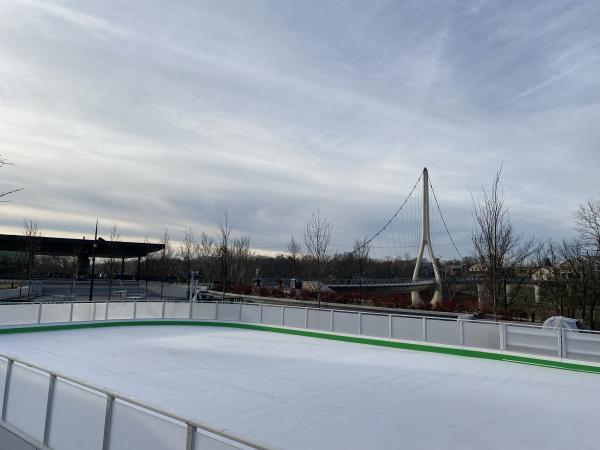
point(93, 261)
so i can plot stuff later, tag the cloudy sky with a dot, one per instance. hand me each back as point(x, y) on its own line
point(162, 114)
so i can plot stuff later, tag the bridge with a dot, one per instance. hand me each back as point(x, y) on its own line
point(403, 283)
point(408, 232)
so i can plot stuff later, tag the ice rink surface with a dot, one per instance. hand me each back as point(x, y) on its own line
point(296, 392)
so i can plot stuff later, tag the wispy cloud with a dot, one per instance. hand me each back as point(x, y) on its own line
point(166, 114)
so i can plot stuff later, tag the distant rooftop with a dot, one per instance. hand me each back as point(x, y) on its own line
point(55, 246)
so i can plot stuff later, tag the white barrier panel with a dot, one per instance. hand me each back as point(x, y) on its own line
point(99, 310)
point(177, 310)
point(483, 335)
point(149, 310)
point(208, 441)
point(271, 315)
point(27, 398)
point(19, 314)
point(532, 340)
point(3, 365)
point(251, 313)
point(407, 328)
point(345, 322)
point(294, 317)
point(55, 312)
point(228, 311)
point(375, 325)
point(319, 320)
point(77, 417)
point(133, 427)
point(120, 310)
point(204, 311)
point(82, 312)
point(581, 345)
point(443, 332)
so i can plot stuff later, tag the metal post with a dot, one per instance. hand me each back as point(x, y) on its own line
point(39, 317)
point(240, 313)
point(502, 336)
point(390, 327)
point(282, 315)
point(94, 310)
point(359, 323)
point(189, 440)
point(162, 314)
point(191, 285)
point(71, 312)
point(561, 337)
point(9, 366)
point(424, 328)
point(49, 405)
point(93, 261)
point(461, 330)
point(110, 400)
point(106, 311)
point(137, 275)
point(305, 317)
point(261, 314)
point(134, 309)
point(331, 321)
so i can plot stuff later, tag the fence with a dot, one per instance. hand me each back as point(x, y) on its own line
point(44, 403)
point(579, 345)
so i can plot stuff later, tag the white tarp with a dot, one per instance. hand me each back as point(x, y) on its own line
point(561, 322)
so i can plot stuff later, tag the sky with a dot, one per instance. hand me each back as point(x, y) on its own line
point(167, 114)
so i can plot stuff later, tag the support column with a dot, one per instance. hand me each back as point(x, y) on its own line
point(426, 241)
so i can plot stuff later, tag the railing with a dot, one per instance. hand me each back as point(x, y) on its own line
point(380, 282)
point(577, 345)
point(114, 418)
point(46, 404)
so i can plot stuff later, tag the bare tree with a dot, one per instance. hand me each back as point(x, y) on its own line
point(499, 251)
point(317, 234)
point(165, 264)
point(240, 260)
point(223, 253)
point(295, 251)
point(360, 255)
point(4, 194)
point(186, 252)
point(587, 224)
point(31, 235)
point(111, 262)
point(583, 280)
point(206, 252)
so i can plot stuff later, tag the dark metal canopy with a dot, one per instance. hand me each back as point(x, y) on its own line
point(53, 246)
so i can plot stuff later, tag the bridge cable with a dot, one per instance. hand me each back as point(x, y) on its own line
point(391, 219)
point(443, 220)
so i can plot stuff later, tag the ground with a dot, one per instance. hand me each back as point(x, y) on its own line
point(297, 392)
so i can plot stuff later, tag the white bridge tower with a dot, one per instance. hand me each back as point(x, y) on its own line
point(426, 241)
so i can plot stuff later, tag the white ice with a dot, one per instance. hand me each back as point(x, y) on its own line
point(297, 392)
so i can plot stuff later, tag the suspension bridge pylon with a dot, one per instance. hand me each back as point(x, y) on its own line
point(426, 241)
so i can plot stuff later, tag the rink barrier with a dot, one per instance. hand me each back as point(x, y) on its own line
point(440, 348)
point(505, 337)
point(41, 407)
point(32, 395)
